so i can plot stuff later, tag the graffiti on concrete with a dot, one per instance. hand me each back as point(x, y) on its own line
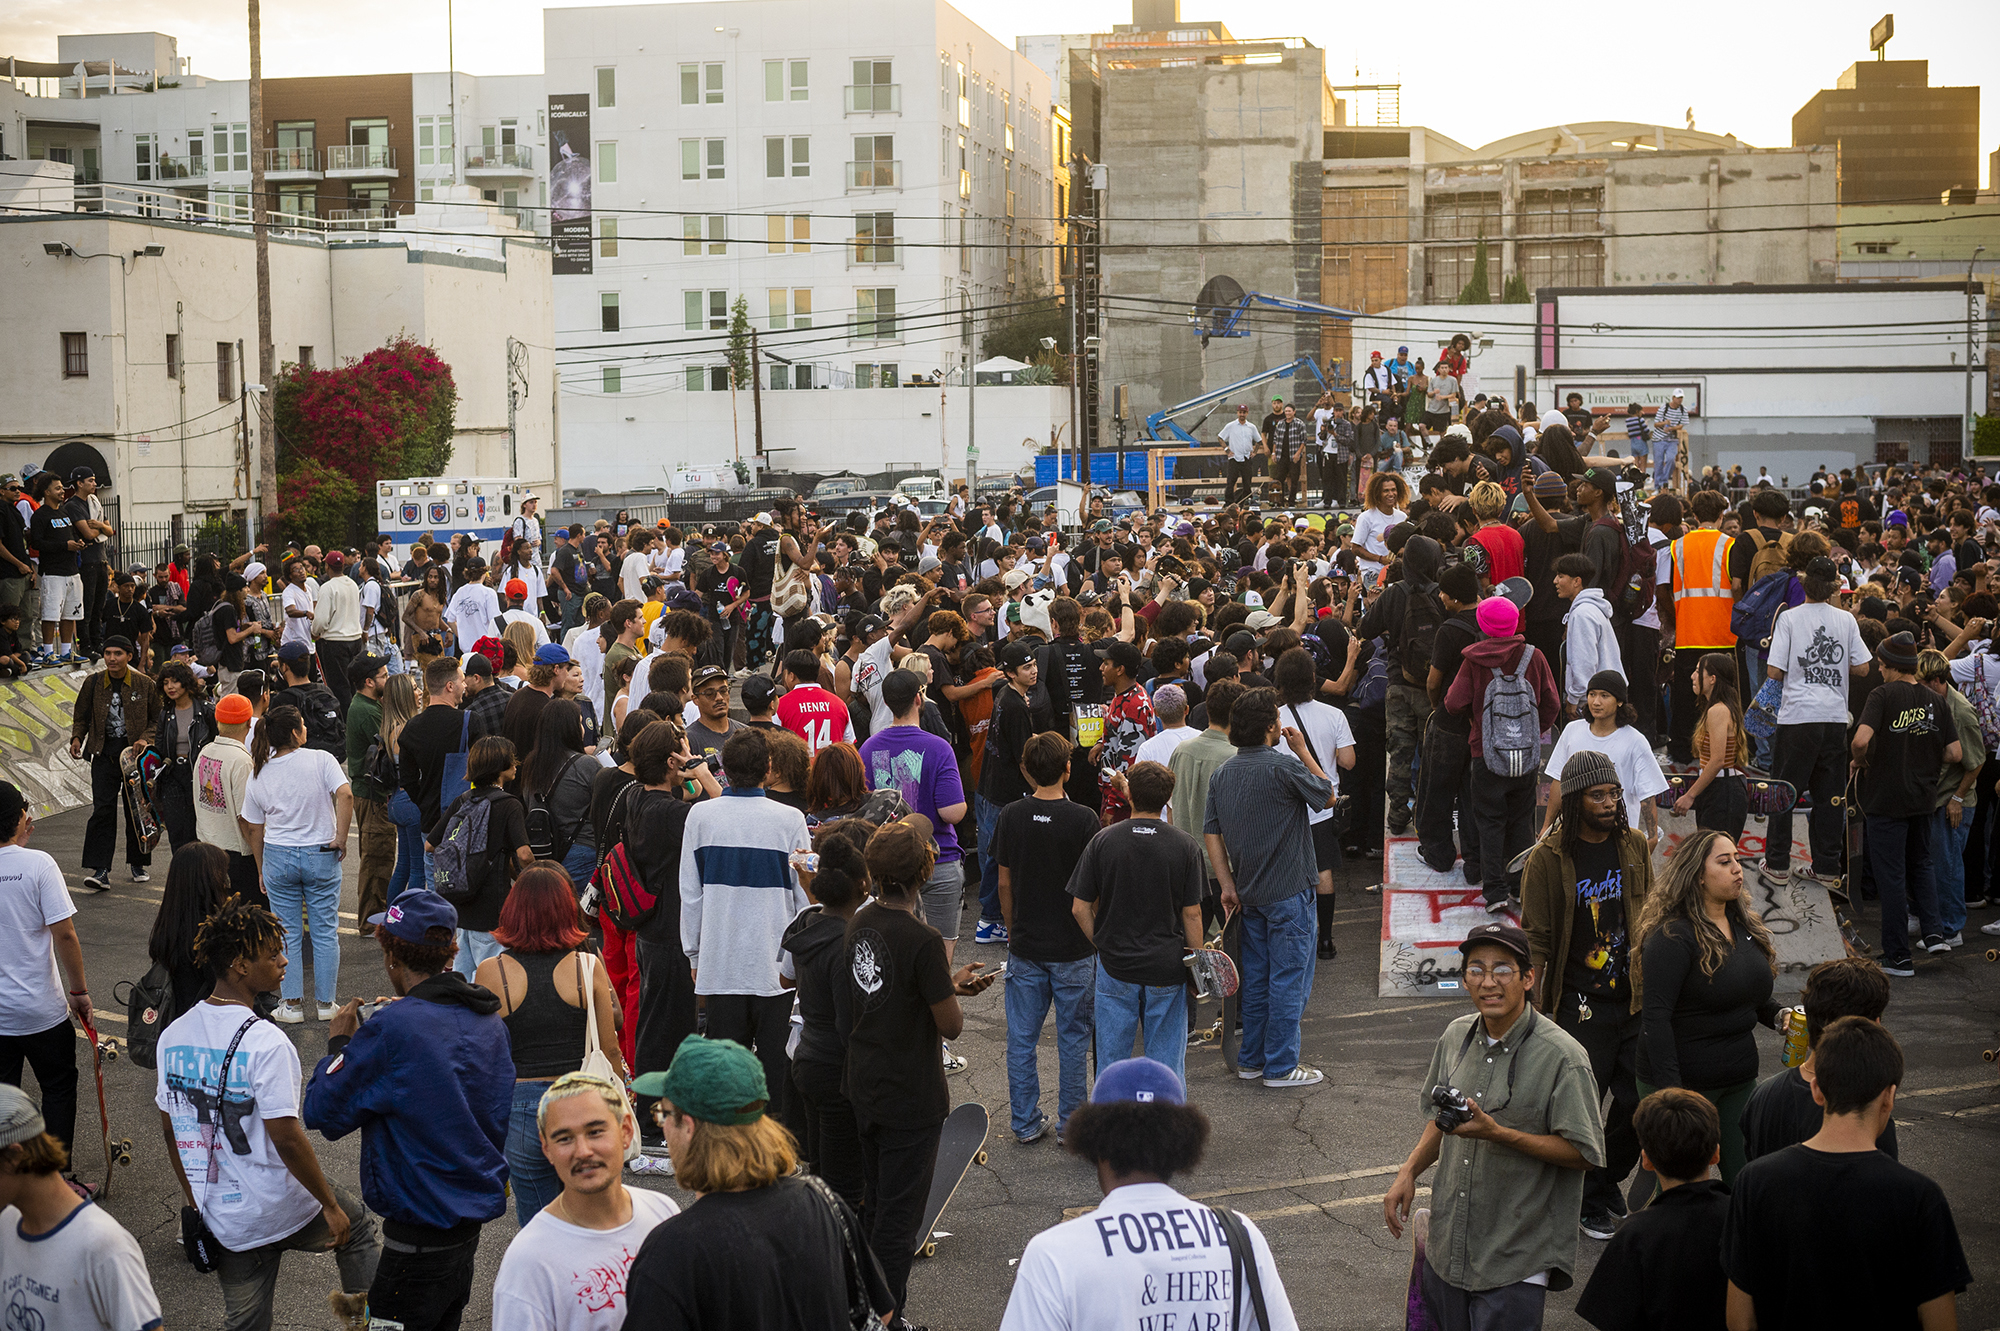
point(34, 741)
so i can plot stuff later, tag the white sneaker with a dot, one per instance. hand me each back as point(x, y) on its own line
point(952, 1062)
point(327, 1011)
point(1250, 1074)
point(291, 1014)
point(1955, 940)
point(651, 1160)
point(1298, 1076)
point(1991, 927)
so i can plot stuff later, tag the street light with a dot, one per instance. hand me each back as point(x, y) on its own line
point(57, 249)
point(1970, 300)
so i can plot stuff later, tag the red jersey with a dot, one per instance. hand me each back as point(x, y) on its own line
point(815, 716)
point(1505, 550)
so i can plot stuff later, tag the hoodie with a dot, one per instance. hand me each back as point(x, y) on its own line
point(1468, 691)
point(429, 1081)
point(817, 941)
point(1421, 558)
point(1589, 645)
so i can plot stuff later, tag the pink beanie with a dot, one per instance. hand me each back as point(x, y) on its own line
point(1497, 617)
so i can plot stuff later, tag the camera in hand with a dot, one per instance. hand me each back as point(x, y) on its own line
point(1453, 1110)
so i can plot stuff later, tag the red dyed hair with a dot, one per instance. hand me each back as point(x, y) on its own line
point(540, 914)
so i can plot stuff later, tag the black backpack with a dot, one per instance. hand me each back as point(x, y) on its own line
point(1423, 612)
point(149, 1008)
point(548, 839)
point(326, 729)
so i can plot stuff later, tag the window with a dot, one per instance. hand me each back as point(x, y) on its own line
point(607, 96)
point(1447, 268)
point(173, 355)
point(874, 90)
point(607, 163)
point(76, 356)
point(802, 233)
point(874, 164)
point(225, 371)
point(298, 201)
point(197, 167)
point(781, 376)
point(232, 147)
point(711, 306)
point(697, 377)
point(964, 107)
point(774, 233)
point(776, 157)
point(716, 165)
point(142, 151)
point(691, 310)
point(703, 159)
point(701, 84)
point(964, 170)
point(607, 311)
point(1462, 216)
point(718, 235)
point(789, 308)
point(1010, 138)
point(718, 310)
point(690, 159)
point(690, 85)
point(1551, 212)
point(875, 238)
point(434, 142)
point(875, 313)
point(872, 374)
point(1872, 247)
point(607, 237)
point(1561, 263)
point(690, 235)
point(711, 83)
point(613, 379)
point(785, 80)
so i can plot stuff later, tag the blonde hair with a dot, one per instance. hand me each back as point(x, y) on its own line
point(399, 703)
point(522, 636)
point(572, 1084)
point(1489, 501)
point(1679, 897)
point(736, 1157)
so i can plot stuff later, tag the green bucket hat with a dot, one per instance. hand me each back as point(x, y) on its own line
point(716, 1081)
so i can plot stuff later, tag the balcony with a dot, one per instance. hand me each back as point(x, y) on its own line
point(374, 218)
point(874, 175)
point(874, 99)
point(875, 252)
point(494, 160)
point(360, 161)
point(283, 164)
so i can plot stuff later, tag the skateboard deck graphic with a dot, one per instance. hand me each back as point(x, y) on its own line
point(961, 1145)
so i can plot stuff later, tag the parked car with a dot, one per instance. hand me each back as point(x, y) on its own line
point(922, 487)
point(838, 485)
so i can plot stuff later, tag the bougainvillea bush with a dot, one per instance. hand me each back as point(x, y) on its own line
point(340, 430)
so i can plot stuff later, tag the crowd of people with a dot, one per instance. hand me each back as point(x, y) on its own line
point(668, 839)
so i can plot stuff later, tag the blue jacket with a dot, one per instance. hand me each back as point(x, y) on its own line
point(429, 1081)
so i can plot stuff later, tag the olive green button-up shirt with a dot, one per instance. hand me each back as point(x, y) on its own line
point(1498, 1216)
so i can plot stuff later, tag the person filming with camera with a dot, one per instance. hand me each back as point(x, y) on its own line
point(1515, 1129)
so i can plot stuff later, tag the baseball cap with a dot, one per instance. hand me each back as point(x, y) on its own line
point(1510, 936)
point(1100, 526)
point(1679, 393)
point(868, 624)
point(708, 674)
point(1601, 479)
point(20, 1119)
point(477, 663)
point(759, 691)
point(1013, 578)
point(718, 547)
point(530, 498)
point(552, 653)
point(1402, 351)
point(81, 474)
point(294, 651)
point(1258, 621)
point(417, 910)
point(516, 587)
point(715, 1081)
point(1015, 655)
point(1121, 654)
point(764, 518)
point(1137, 1080)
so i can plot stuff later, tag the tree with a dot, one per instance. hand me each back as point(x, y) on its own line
point(1476, 291)
point(1514, 291)
point(340, 430)
point(1985, 436)
point(1020, 336)
point(739, 343)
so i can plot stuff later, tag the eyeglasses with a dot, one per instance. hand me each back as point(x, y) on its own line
point(715, 692)
point(1502, 972)
point(1604, 794)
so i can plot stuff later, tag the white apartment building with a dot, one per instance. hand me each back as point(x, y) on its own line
point(871, 179)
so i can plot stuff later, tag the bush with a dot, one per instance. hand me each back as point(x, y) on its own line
point(317, 505)
point(1986, 436)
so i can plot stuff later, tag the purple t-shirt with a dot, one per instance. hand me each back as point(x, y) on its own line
point(924, 770)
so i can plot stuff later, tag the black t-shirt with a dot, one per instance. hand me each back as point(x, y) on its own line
point(1038, 842)
point(703, 741)
point(14, 535)
point(712, 583)
point(1781, 1113)
point(1744, 549)
point(1142, 874)
point(771, 1258)
point(895, 1074)
point(224, 619)
point(564, 563)
point(506, 833)
point(78, 510)
point(653, 822)
point(130, 618)
point(427, 740)
point(1457, 633)
point(1662, 1270)
point(1597, 961)
point(1906, 753)
point(1070, 669)
point(760, 559)
point(1541, 549)
point(1012, 726)
point(51, 532)
point(1699, 1030)
point(1820, 1239)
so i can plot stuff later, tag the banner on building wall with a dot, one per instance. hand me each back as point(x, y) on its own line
point(569, 181)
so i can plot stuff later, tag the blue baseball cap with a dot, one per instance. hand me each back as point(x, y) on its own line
point(1141, 1080)
point(415, 911)
point(551, 653)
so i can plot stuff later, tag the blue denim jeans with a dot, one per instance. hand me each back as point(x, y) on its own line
point(1124, 1011)
point(1277, 978)
point(1032, 986)
point(303, 883)
point(985, 813)
point(580, 863)
point(1948, 863)
point(473, 948)
point(412, 864)
point(1899, 851)
point(534, 1178)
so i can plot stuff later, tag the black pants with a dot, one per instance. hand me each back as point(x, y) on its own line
point(1683, 708)
point(1640, 649)
point(666, 1015)
point(426, 1290)
point(1504, 807)
point(1444, 787)
point(897, 1165)
point(832, 1141)
point(52, 1054)
point(334, 659)
point(1982, 868)
point(1724, 807)
point(758, 1022)
point(96, 578)
point(173, 796)
point(1239, 479)
point(245, 881)
point(1333, 483)
point(1611, 1038)
point(1289, 474)
point(1813, 758)
point(1546, 637)
point(107, 810)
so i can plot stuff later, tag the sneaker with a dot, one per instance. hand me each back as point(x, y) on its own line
point(645, 1163)
point(1979, 903)
point(1497, 907)
point(1327, 951)
point(1991, 927)
point(97, 880)
point(1041, 1130)
point(141, 876)
point(1298, 1076)
point(1903, 966)
point(291, 1014)
point(952, 1062)
point(1955, 940)
point(990, 931)
point(1600, 1225)
point(327, 1011)
point(1779, 879)
point(1250, 1074)
point(1934, 943)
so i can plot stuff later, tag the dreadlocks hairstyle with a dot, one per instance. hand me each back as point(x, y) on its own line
point(238, 928)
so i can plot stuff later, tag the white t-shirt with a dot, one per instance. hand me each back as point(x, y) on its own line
point(471, 613)
point(292, 798)
point(631, 572)
point(240, 1182)
point(297, 597)
point(1638, 770)
point(1145, 1253)
point(32, 898)
point(1161, 747)
point(561, 1277)
point(1369, 529)
point(86, 1274)
point(1329, 732)
point(532, 620)
point(670, 561)
point(865, 681)
point(1817, 645)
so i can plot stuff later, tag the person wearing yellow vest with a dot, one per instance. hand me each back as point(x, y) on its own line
point(1702, 601)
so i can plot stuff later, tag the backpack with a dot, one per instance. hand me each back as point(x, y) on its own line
point(325, 728)
point(1373, 690)
point(1770, 556)
point(1632, 595)
point(792, 591)
point(380, 767)
point(463, 862)
point(206, 645)
point(1755, 617)
point(1510, 724)
point(1984, 705)
point(623, 896)
point(1423, 612)
point(547, 838)
point(149, 1009)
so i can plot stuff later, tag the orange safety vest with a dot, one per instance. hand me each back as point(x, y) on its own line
point(1702, 602)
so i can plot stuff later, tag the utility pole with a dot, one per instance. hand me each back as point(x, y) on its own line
point(1971, 303)
point(267, 450)
point(250, 517)
point(757, 401)
point(517, 389)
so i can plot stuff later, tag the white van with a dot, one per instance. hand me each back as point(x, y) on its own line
point(923, 487)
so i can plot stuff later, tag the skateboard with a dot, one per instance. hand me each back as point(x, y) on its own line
point(961, 1145)
point(1765, 796)
point(120, 1151)
point(138, 795)
point(1232, 1005)
point(1418, 1317)
point(1213, 972)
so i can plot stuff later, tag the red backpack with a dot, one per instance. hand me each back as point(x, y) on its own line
point(623, 896)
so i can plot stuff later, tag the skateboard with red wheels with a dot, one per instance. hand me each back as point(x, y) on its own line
point(115, 1153)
